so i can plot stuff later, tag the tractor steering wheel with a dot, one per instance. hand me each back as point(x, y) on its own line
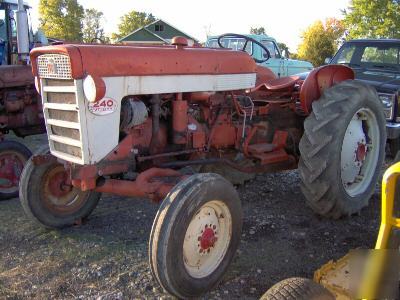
point(247, 39)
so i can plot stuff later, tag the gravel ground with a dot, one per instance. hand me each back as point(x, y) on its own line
point(106, 257)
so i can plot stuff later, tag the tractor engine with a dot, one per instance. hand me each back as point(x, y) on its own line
point(209, 124)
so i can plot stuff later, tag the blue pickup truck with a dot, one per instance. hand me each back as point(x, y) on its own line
point(277, 62)
point(377, 62)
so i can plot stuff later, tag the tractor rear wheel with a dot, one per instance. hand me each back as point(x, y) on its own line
point(342, 149)
point(13, 156)
point(195, 235)
point(297, 288)
point(49, 199)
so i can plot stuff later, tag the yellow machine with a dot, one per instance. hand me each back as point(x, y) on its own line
point(360, 274)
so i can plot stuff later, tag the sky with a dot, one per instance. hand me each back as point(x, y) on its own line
point(284, 20)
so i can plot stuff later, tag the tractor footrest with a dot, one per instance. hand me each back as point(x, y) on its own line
point(272, 157)
point(261, 148)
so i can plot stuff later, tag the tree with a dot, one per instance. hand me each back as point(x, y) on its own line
point(257, 30)
point(283, 47)
point(320, 41)
point(61, 19)
point(373, 19)
point(132, 21)
point(92, 26)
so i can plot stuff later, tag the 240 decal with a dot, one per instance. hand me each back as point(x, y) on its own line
point(103, 107)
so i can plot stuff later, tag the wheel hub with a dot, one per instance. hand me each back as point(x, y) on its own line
point(207, 238)
point(360, 151)
point(353, 151)
point(10, 170)
point(58, 184)
point(58, 194)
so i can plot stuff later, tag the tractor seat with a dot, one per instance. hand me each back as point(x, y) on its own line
point(282, 83)
point(278, 85)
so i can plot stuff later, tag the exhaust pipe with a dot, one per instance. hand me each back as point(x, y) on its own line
point(22, 32)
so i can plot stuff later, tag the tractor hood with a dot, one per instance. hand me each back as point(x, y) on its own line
point(116, 60)
point(382, 80)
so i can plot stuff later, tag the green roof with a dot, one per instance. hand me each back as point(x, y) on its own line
point(157, 31)
point(142, 35)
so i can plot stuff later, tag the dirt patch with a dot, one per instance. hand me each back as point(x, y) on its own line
point(107, 256)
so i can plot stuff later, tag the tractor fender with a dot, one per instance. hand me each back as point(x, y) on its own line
point(320, 79)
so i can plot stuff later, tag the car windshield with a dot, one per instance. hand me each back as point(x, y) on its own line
point(231, 43)
point(369, 55)
point(273, 50)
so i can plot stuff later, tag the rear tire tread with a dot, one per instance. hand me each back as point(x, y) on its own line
point(322, 129)
point(297, 288)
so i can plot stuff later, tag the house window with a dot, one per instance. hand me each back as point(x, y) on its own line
point(159, 27)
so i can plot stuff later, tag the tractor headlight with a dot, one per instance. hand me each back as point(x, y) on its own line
point(37, 84)
point(388, 104)
point(94, 88)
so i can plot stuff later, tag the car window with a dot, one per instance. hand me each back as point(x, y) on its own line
point(346, 54)
point(232, 43)
point(270, 45)
point(13, 15)
point(3, 27)
point(381, 55)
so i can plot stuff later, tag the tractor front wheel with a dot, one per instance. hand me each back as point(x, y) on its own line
point(48, 197)
point(195, 235)
point(342, 149)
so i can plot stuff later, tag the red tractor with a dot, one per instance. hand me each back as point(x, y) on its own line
point(145, 121)
point(20, 105)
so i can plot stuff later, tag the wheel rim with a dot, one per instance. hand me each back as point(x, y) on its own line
point(360, 152)
point(207, 239)
point(58, 195)
point(11, 165)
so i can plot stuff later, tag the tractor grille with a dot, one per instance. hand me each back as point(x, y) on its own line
point(55, 66)
point(62, 113)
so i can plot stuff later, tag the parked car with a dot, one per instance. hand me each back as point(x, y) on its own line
point(377, 62)
point(278, 63)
